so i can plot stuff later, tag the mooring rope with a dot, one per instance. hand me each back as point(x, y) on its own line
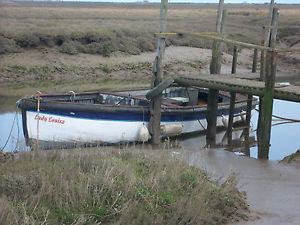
point(74, 95)
point(194, 110)
point(11, 129)
point(283, 118)
point(18, 136)
point(38, 118)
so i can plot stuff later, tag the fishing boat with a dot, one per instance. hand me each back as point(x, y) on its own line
point(111, 117)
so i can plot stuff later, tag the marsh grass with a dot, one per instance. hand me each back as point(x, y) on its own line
point(113, 187)
point(97, 28)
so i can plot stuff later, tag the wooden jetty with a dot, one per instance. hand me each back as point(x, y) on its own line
point(241, 85)
point(260, 84)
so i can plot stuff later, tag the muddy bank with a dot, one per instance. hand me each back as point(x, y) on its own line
point(23, 73)
point(272, 188)
point(293, 159)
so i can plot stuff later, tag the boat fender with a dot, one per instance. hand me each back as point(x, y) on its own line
point(225, 121)
point(171, 129)
point(144, 133)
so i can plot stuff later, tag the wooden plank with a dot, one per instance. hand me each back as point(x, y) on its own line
point(159, 88)
point(216, 38)
point(245, 86)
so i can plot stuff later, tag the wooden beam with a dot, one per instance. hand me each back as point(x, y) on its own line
point(216, 38)
point(155, 103)
point(159, 88)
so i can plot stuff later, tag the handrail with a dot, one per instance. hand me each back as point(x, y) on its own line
point(216, 38)
point(281, 27)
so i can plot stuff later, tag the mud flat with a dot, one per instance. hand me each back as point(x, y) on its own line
point(272, 188)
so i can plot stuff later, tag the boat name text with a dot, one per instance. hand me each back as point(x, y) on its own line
point(49, 119)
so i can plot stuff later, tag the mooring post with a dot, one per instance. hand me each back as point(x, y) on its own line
point(265, 42)
point(267, 109)
point(272, 4)
point(232, 98)
point(249, 101)
point(155, 103)
point(215, 68)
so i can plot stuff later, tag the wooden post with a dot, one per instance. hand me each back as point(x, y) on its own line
point(254, 62)
point(249, 101)
point(272, 4)
point(234, 59)
point(265, 42)
point(232, 98)
point(267, 109)
point(215, 68)
point(155, 103)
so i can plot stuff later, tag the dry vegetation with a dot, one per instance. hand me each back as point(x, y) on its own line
point(99, 28)
point(113, 187)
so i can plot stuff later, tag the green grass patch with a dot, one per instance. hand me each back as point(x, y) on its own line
point(111, 187)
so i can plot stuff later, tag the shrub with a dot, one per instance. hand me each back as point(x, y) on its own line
point(106, 50)
point(72, 47)
point(47, 40)
point(106, 69)
point(28, 40)
point(99, 48)
point(146, 44)
point(8, 46)
point(94, 48)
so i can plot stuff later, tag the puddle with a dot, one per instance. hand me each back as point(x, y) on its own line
point(285, 138)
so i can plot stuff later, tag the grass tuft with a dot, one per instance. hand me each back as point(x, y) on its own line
point(113, 187)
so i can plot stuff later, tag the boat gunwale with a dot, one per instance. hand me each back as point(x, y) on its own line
point(28, 103)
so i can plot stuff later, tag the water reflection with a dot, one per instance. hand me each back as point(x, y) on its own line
point(285, 139)
point(11, 133)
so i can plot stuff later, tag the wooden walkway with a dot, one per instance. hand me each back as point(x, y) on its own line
point(242, 83)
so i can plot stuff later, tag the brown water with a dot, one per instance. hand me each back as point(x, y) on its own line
point(273, 189)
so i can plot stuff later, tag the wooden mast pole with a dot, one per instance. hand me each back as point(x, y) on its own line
point(155, 103)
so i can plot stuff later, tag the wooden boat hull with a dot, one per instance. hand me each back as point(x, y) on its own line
point(69, 123)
